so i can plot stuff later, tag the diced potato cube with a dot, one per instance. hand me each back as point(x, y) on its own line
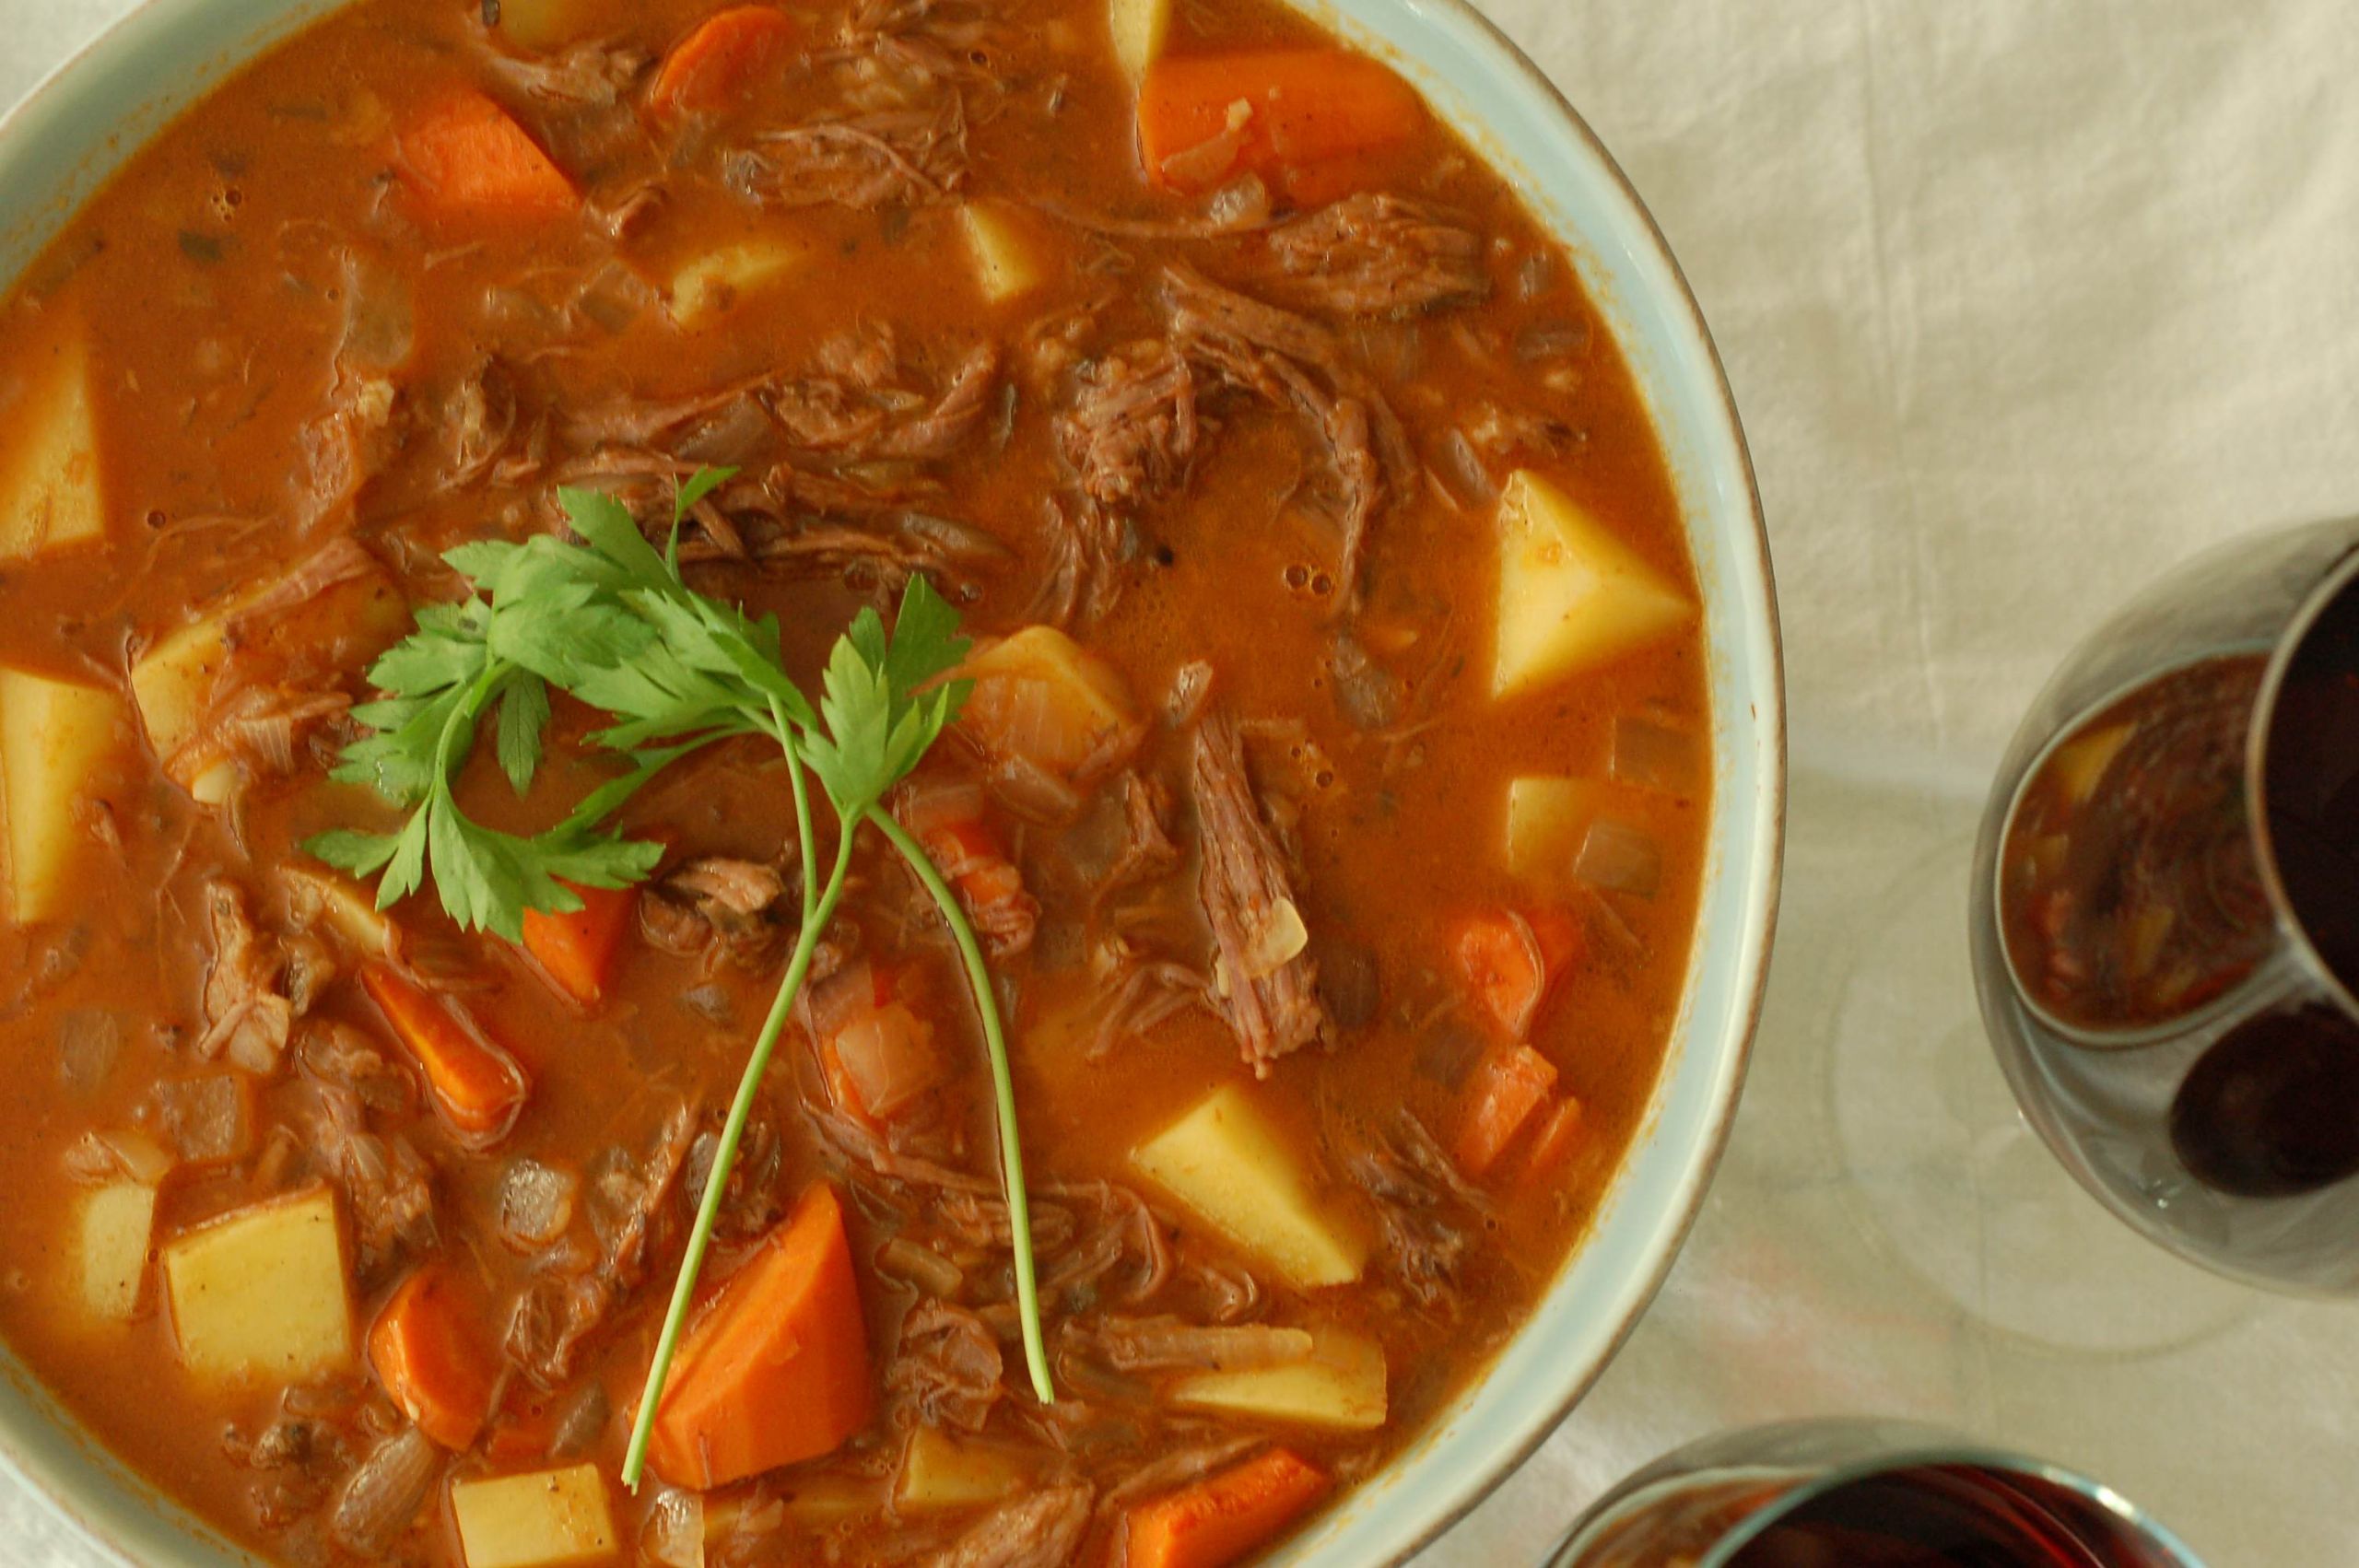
point(1005, 265)
point(261, 1291)
point(117, 1223)
point(2080, 763)
point(707, 285)
point(938, 1472)
point(52, 492)
point(334, 629)
point(1226, 1160)
point(1137, 29)
point(1341, 1387)
point(172, 683)
point(544, 24)
point(1571, 595)
point(1545, 820)
point(316, 896)
point(1040, 696)
point(56, 738)
point(536, 1520)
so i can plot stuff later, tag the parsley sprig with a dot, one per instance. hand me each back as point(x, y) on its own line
point(611, 620)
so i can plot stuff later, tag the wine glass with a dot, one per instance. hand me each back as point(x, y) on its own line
point(1865, 1494)
point(2166, 911)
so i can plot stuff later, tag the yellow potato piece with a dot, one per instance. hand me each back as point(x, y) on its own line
point(714, 282)
point(1339, 1388)
point(1137, 29)
point(2080, 763)
point(544, 24)
point(56, 738)
point(117, 1224)
point(172, 683)
point(1005, 266)
point(1571, 595)
point(53, 491)
point(260, 1292)
point(536, 1520)
point(1228, 1163)
point(938, 1472)
point(1545, 820)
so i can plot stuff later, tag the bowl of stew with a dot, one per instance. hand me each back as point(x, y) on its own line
point(887, 781)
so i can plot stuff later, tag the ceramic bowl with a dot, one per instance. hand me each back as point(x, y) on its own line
point(61, 144)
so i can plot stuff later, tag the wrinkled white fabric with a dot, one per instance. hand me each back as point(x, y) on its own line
point(2024, 300)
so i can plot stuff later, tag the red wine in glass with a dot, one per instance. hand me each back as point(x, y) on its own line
point(1938, 1516)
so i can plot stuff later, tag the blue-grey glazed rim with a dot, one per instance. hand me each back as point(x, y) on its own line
point(60, 143)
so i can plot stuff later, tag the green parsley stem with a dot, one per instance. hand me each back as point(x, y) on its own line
point(1011, 1149)
point(724, 1159)
point(804, 828)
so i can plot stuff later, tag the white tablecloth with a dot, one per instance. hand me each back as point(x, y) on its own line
point(2024, 300)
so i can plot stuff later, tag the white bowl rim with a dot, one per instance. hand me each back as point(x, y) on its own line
point(174, 1529)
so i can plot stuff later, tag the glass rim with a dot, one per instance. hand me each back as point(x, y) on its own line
point(2339, 576)
point(1938, 1450)
point(2268, 973)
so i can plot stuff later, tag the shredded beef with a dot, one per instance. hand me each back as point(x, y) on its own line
point(246, 1013)
point(946, 1369)
point(1294, 364)
point(899, 158)
point(1272, 1003)
point(1130, 433)
point(1372, 255)
point(719, 902)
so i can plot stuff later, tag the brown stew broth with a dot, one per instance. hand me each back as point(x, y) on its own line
point(213, 276)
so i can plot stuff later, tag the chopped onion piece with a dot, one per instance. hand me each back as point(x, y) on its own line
point(1279, 942)
point(1616, 858)
point(385, 1493)
point(535, 1203)
point(922, 1266)
point(1653, 754)
point(111, 1156)
point(672, 1532)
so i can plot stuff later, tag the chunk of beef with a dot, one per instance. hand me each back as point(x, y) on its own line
point(1268, 985)
point(589, 74)
point(897, 158)
point(1372, 255)
point(1422, 1207)
point(734, 905)
point(865, 412)
point(628, 1198)
point(947, 1370)
point(1131, 430)
point(1042, 1529)
point(247, 1015)
point(388, 1187)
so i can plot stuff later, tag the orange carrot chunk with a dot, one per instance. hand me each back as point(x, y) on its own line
point(1560, 1136)
point(1509, 1085)
point(774, 1368)
point(465, 156)
point(726, 54)
point(579, 952)
point(478, 1088)
point(1222, 1518)
point(432, 1358)
point(1512, 961)
point(1206, 119)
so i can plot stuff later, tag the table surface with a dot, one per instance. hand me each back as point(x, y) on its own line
point(2022, 302)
